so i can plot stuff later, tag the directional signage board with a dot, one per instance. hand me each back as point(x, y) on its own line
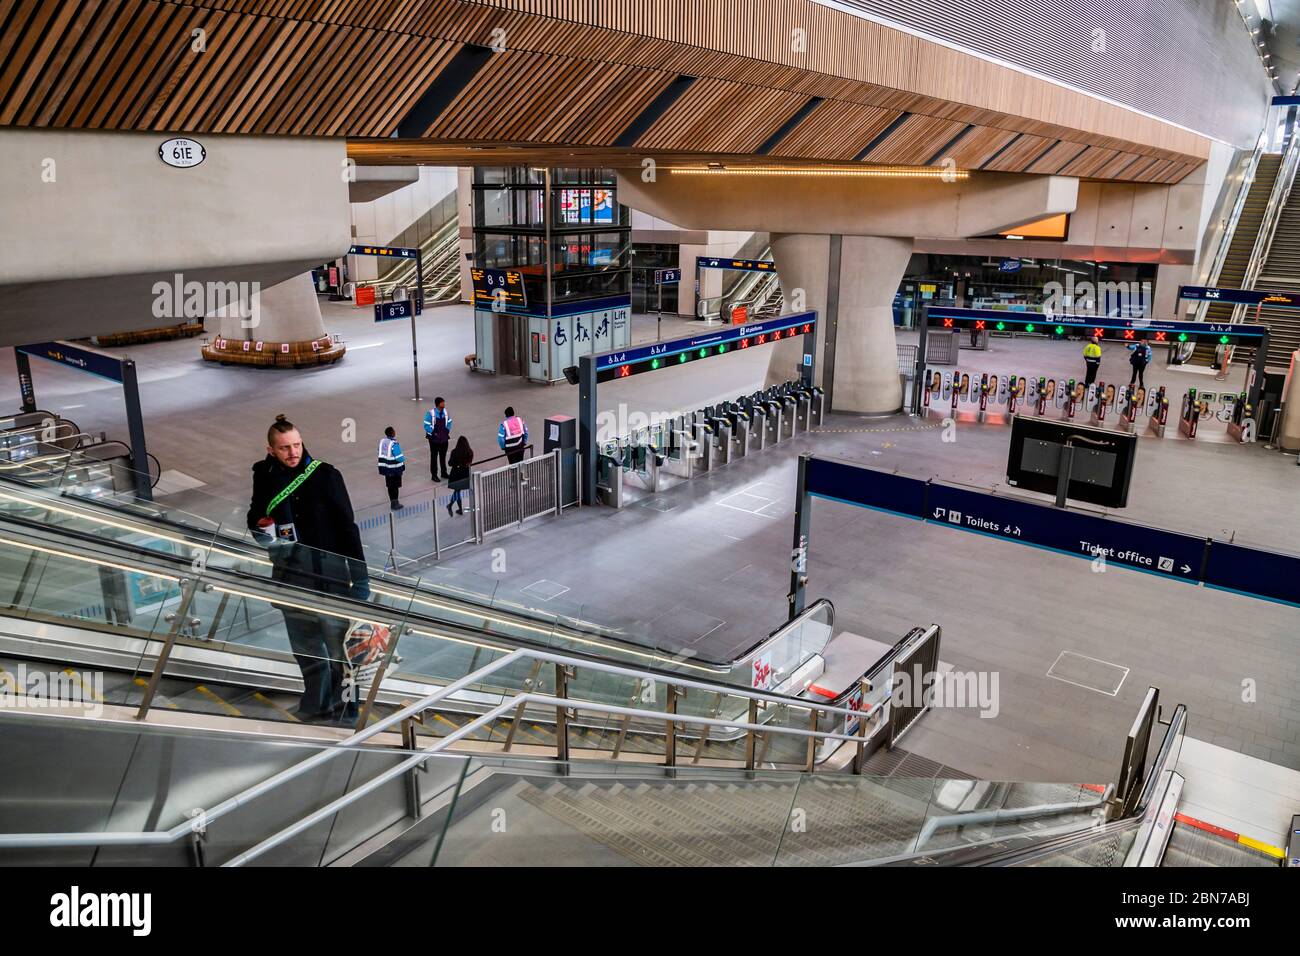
point(667, 276)
point(78, 357)
point(1232, 567)
point(388, 311)
point(740, 265)
point(1128, 330)
point(1200, 293)
point(397, 252)
point(650, 358)
point(1165, 553)
point(489, 283)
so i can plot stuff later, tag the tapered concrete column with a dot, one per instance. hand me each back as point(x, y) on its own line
point(280, 326)
point(855, 306)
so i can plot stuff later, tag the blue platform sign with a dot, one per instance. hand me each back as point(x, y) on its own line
point(855, 485)
point(1200, 293)
point(388, 311)
point(1165, 553)
point(76, 356)
point(667, 276)
point(1232, 567)
point(739, 336)
point(1285, 101)
point(395, 252)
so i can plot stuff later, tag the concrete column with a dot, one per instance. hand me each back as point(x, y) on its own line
point(865, 377)
point(287, 313)
point(1288, 432)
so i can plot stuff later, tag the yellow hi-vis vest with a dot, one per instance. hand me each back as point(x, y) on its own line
point(1092, 351)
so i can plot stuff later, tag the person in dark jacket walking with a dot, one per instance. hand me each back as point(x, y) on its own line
point(1140, 359)
point(437, 429)
point(392, 463)
point(462, 456)
point(300, 508)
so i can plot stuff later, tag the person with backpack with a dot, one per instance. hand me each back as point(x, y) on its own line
point(462, 456)
point(301, 511)
point(1140, 359)
point(512, 436)
point(392, 463)
point(437, 428)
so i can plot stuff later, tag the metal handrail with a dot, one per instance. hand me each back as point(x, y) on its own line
point(125, 838)
point(1277, 201)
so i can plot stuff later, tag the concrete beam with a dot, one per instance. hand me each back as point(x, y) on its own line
point(101, 221)
point(850, 205)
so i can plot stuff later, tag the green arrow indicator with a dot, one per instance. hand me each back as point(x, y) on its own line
point(1029, 328)
point(721, 349)
point(681, 358)
point(1182, 336)
point(1001, 326)
point(654, 364)
point(1060, 330)
point(1223, 340)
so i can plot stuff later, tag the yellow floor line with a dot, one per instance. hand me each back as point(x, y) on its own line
point(157, 698)
point(1261, 846)
point(259, 696)
point(229, 708)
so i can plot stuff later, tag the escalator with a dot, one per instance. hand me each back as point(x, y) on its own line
point(68, 562)
point(1281, 272)
point(1240, 248)
point(1198, 845)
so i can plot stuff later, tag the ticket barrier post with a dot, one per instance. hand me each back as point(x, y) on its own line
point(789, 415)
point(1242, 426)
point(1071, 399)
point(758, 424)
point(1040, 407)
point(702, 431)
point(1099, 404)
point(984, 394)
point(739, 422)
point(1159, 414)
point(1190, 416)
point(609, 475)
point(1128, 419)
point(773, 413)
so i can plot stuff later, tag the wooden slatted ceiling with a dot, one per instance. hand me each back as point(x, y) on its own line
point(1019, 154)
point(977, 147)
point(835, 131)
point(723, 117)
point(916, 136)
point(339, 67)
point(577, 102)
point(1056, 157)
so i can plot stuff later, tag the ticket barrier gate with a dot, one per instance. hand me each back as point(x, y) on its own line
point(1158, 410)
point(636, 458)
point(741, 427)
point(1190, 415)
point(1242, 424)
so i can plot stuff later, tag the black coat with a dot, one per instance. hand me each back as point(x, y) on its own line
point(328, 555)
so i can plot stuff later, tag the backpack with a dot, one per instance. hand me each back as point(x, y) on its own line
point(364, 648)
point(441, 433)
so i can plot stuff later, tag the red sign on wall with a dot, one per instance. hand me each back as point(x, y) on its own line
point(365, 295)
point(739, 315)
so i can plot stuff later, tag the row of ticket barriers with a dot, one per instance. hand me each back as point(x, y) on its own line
point(950, 393)
point(651, 459)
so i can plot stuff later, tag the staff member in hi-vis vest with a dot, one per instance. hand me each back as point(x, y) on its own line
point(1092, 359)
point(392, 463)
point(512, 436)
point(301, 510)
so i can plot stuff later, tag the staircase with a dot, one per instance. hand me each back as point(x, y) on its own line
point(1281, 272)
point(1237, 260)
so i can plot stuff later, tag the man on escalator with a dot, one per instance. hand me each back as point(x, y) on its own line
point(301, 510)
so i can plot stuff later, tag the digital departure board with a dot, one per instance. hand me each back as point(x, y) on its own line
point(489, 283)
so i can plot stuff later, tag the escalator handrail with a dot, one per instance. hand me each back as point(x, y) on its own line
point(273, 783)
point(241, 549)
point(274, 592)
